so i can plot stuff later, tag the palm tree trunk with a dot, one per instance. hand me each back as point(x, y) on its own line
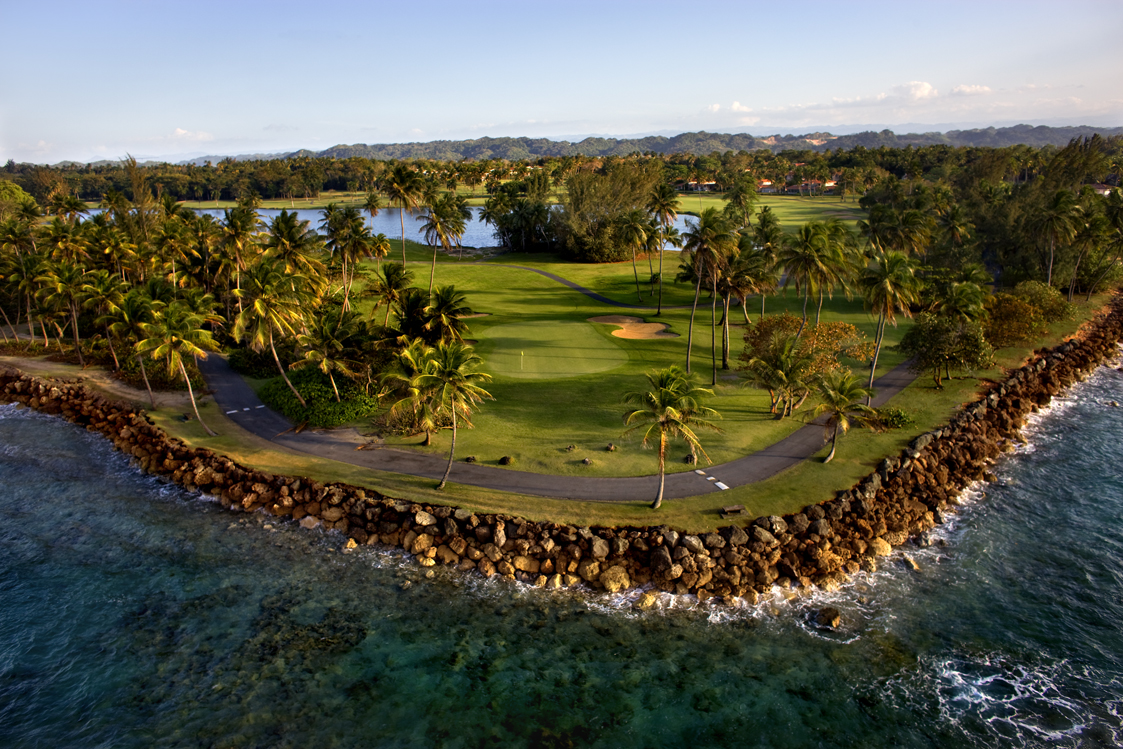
point(834, 444)
point(74, 329)
point(191, 394)
point(30, 321)
point(9, 322)
point(761, 305)
point(659, 310)
point(635, 272)
point(402, 216)
point(333, 387)
point(725, 334)
point(713, 333)
point(109, 340)
point(282, 371)
point(433, 272)
point(690, 328)
point(144, 376)
point(1049, 276)
point(876, 350)
point(662, 469)
point(819, 309)
point(803, 323)
point(451, 453)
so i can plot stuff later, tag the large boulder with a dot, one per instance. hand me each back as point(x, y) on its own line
point(879, 547)
point(693, 544)
point(615, 579)
point(589, 570)
point(599, 548)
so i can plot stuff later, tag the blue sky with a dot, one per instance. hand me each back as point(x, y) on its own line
point(96, 80)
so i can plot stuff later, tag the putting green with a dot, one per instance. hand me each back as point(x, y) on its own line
point(550, 350)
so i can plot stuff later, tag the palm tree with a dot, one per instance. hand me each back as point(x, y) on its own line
point(326, 342)
point(671, 407)
point(889, 285)
point(239, 234)
point(708, 242)
point(272, 310)
point(104, 292)
point(403, 188)
point(380, 248)
point(129, 318)
point(633, 230)
point(389, 286)
point(444, 224)
point(663, 205)
point(372, 205)
point(348, 235)
point(291, 241)
point(449, 380)
point(805, 258)
point(63, 288)
point(1057, 222)
point(447, 308)
point(176, 332)
point(842, 393)
point(401, 376)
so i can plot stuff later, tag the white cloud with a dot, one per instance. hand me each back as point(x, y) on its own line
point(713, 107)
point(179, 134)
point(916, 90)
point(970, 90)
point(738, 107)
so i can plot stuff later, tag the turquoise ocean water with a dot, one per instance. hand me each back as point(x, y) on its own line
point(135, 614)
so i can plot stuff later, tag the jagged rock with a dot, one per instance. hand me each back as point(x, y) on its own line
point(615, 579)
point(526, 564)
point(737, 536)
point(646, 601)
point(309, 522)
point(879, 547)
point(693, 544)
point(421, 544)
point(423, 518)
point(761, 535)
point(828, 617)
point(821, 527)
point(589, 570)
point(599, 548)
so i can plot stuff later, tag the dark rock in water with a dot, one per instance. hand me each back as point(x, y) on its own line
point(828, 616)
point(506, 460)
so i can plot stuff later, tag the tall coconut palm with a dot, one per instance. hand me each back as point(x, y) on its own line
point(103, 292)
point(805, 257)
point(709, 241)
point(633, 232)
point(841, 393)
point(889, 285)
point(451, 382)
point(372, 205)
point(403, 188)
point(176, 332)
point(663, 205)
point(273, 309)
point(239, 236)
point(444, 225)
point(670, 408)
point(129, 318)
point(64, 289)
point(1057, 222)
point(293, 243)
point(401, 376)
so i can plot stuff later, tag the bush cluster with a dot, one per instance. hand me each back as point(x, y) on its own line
point(322, 409)
point(1045, 299)
point(891, 417)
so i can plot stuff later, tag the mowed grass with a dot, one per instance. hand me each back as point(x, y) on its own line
point(549, 350)
point(544, 357)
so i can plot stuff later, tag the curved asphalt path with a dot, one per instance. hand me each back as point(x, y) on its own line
point(238, 400)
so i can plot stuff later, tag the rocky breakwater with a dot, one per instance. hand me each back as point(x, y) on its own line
point(820, 546)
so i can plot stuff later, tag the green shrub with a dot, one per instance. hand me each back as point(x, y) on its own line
point(1047, 300)
point(892, 417)
point(322, 409)
point(1012, 320)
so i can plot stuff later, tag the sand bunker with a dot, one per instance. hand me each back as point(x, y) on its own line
point(634, 327)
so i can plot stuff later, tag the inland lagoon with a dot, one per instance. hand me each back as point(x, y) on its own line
point(138, 614)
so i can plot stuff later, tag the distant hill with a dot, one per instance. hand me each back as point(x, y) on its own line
point(704, 143)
